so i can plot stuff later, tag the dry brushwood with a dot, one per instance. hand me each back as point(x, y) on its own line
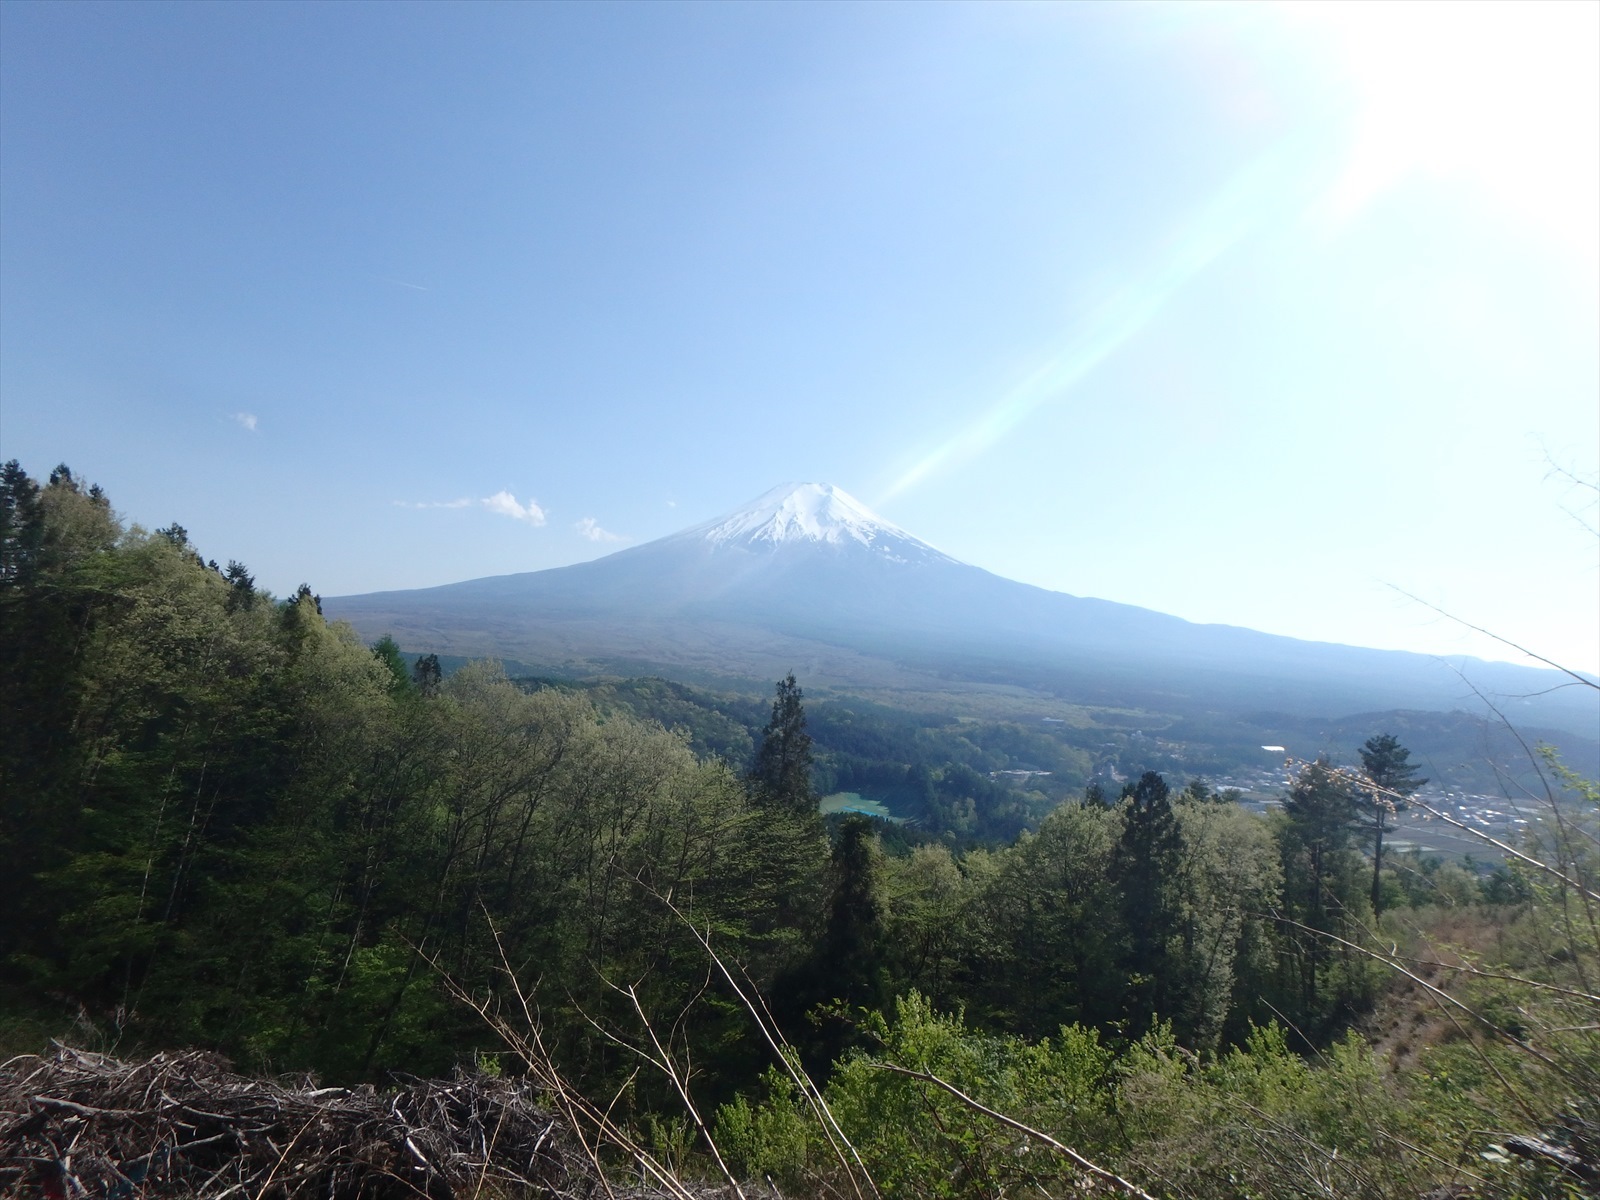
point(76, 1124)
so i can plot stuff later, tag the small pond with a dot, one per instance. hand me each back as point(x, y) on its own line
point(855, 802)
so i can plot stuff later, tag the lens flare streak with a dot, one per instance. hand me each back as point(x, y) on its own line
point(1277, 184)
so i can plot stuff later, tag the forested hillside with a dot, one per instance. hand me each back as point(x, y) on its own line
point(232, 825)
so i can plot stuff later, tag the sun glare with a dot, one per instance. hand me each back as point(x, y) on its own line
point(1505, 97)
point(1502, 100)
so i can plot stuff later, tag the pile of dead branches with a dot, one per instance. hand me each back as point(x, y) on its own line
point(75, 1124)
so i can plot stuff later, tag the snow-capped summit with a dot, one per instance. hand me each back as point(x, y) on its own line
point(817, 512)
point(812, 512)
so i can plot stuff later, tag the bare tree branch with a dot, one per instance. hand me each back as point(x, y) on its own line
point(1577, 677)
point(1100, 1173)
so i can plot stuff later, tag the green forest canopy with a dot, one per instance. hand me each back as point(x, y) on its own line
point(238, 827)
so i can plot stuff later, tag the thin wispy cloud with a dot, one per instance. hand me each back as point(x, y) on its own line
point(248, 420)
point(503, 502)
point(590, 528)
point(506, 505)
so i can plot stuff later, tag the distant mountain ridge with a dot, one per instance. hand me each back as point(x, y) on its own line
point(807, 578)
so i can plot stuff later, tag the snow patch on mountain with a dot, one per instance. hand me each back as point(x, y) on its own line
point(799, 513)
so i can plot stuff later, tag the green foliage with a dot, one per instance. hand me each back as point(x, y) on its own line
point(231, 824)
point(1324, 983)
point(388, 653)
point(1145, 861)
point(241, 828)
point(1262, 1121)
point(776, 1137)
point(1256, 1121)
point(1386, 766)
point(930, 914)
point(918, 1140)
point(1226, 879)
point(852, 940)
point(781, 777)
point(1047, 940)
point(927, 767)
point(21, 524)
point(427, 676)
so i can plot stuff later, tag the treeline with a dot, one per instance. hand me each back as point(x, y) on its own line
point(243, 828)
point(230, 824)
point(939, 772)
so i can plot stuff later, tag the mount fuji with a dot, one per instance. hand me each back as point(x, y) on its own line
point(806, 578)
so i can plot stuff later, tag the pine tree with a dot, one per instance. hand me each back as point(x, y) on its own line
point(1385, 763)
point(1146, 859)
point(781, 777)
point(21, 523)
point(852, 941)
point(241, 587)
point(426, 675)
point(1321, 812)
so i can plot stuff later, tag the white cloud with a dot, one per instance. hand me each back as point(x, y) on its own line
point(590, 528)
point(248, 420)
point(506, 504)
point(502, 502)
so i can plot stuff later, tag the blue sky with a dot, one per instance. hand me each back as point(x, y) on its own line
point(1250, 314)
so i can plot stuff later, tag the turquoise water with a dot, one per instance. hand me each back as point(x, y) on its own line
point(855, 802)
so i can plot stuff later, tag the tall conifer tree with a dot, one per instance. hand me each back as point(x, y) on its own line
point(1385, 763)
point(1321, 812)
point(21, 523)
point(781, 777)
point(1146, 859)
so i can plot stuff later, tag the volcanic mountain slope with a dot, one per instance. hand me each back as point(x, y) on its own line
point(807, 578)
